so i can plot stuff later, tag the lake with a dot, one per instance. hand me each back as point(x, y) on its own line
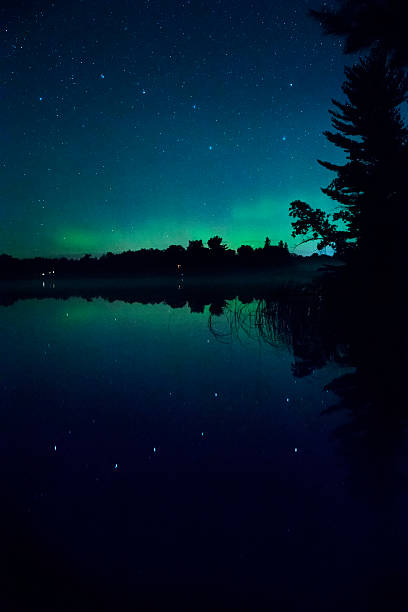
point(188, 453)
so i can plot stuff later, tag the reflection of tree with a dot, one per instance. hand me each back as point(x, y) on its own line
point(368, 335)
point(292, 321)
point(334, 322)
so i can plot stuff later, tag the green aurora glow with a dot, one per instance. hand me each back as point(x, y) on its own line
point(203, 126)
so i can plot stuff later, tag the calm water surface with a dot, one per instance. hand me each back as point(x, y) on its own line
point(151, 454)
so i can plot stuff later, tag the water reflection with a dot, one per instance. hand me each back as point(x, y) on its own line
point(191, 437)
point(367, 335)
point(367, 332)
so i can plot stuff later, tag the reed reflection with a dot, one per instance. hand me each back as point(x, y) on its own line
point(347, 322)
point(365, 332)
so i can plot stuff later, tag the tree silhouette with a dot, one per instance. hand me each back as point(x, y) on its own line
point(315, 224)
point(245, 251)
point(367, 24)
point(370, 186)
point(175, 251)
point(175, 259)
point(283, 245)
point(195, 247)
point(267, 243)
point(215, 245)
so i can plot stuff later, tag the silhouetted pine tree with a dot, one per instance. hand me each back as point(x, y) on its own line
point(215, 245)
point(366, 24)
point(370, 187)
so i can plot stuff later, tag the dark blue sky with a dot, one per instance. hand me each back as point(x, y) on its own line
point(129, 124)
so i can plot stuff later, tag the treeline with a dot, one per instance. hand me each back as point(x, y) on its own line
point(197, 258)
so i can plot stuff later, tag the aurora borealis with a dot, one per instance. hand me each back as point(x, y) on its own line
point(134, 124)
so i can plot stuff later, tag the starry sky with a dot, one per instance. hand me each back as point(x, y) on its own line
point(128, 124)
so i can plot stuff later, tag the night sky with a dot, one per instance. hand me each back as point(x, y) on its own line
point(129, 124)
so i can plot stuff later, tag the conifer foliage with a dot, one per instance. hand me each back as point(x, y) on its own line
point(369, 187)
point(366, 24)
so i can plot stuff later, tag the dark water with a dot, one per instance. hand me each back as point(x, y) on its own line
point(153, 455)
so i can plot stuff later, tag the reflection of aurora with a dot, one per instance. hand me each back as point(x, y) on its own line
point(282, 318)
point(314, 328)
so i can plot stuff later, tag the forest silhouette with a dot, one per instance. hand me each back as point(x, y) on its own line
point(175, 261)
